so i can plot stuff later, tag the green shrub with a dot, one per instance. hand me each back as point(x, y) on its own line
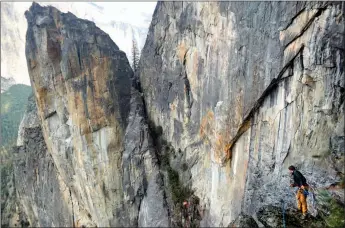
point(336, 216)
point(179, 192)
point(331, 210)
point(165, 160)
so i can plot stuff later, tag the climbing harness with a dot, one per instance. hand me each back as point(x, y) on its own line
point(283, 210)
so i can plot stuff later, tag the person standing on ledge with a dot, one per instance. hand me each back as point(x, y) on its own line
point(298, 180)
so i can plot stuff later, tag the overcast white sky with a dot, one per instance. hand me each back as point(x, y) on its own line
point(137, 14)
point(131, 12)
point(134, 13)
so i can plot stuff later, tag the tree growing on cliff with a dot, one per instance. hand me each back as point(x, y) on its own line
point(135, 55)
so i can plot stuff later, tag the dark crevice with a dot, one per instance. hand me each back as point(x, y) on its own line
point(154, 132)
point(293, 18)
point(185, 59)
point(170, 85)
point(317, 14)
point(287, 154)
point(301, 62)
point(79, 60)
point(188, 93)
point(177, 190)
point(274, 83)
point(188, 96)
point(141, 192)
point(70, 194)
point(50, 114)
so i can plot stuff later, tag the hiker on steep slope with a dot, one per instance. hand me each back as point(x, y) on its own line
point(298, 180)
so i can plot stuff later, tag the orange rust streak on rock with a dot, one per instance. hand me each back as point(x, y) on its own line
point(181, 51)
point(33, 63)
point(43, 99)
point(41, 95)
point(97, 117)
point(206, 124)
point(228, 148)
point(219, 146)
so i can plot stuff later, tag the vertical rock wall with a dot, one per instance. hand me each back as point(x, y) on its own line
point(93, 125)
point(245, 89)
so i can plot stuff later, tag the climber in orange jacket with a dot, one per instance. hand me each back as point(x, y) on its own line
point(298, 180)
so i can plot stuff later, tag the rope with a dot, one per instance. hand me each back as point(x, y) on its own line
point(313, 198)
point(283, 210)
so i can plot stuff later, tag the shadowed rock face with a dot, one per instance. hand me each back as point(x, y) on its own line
point(245, 89)
point(271, 216)
point(44, 198)
point(93, 125)
point(244, 221)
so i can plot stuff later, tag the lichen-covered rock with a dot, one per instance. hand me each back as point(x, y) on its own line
point(93, 125)
point(43, 197)
point(271, 216)
point(10, 212)
point(244, 221)
point(243, 90)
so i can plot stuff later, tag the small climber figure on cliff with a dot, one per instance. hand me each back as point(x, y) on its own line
point(298, 180)
point(191, 212)
point(185, 213)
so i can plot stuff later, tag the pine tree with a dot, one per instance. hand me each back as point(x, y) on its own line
point(135, 55)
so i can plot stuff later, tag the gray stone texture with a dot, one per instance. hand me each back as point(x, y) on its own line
point(42, 195)
point(248, 88)
point(232, 94)
point(94, 150)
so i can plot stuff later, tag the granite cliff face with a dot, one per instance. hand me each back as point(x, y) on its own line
point(244, 90)
point(227, 96)
point(100, 162)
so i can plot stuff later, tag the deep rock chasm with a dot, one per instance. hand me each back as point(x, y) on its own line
point(226, 97)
